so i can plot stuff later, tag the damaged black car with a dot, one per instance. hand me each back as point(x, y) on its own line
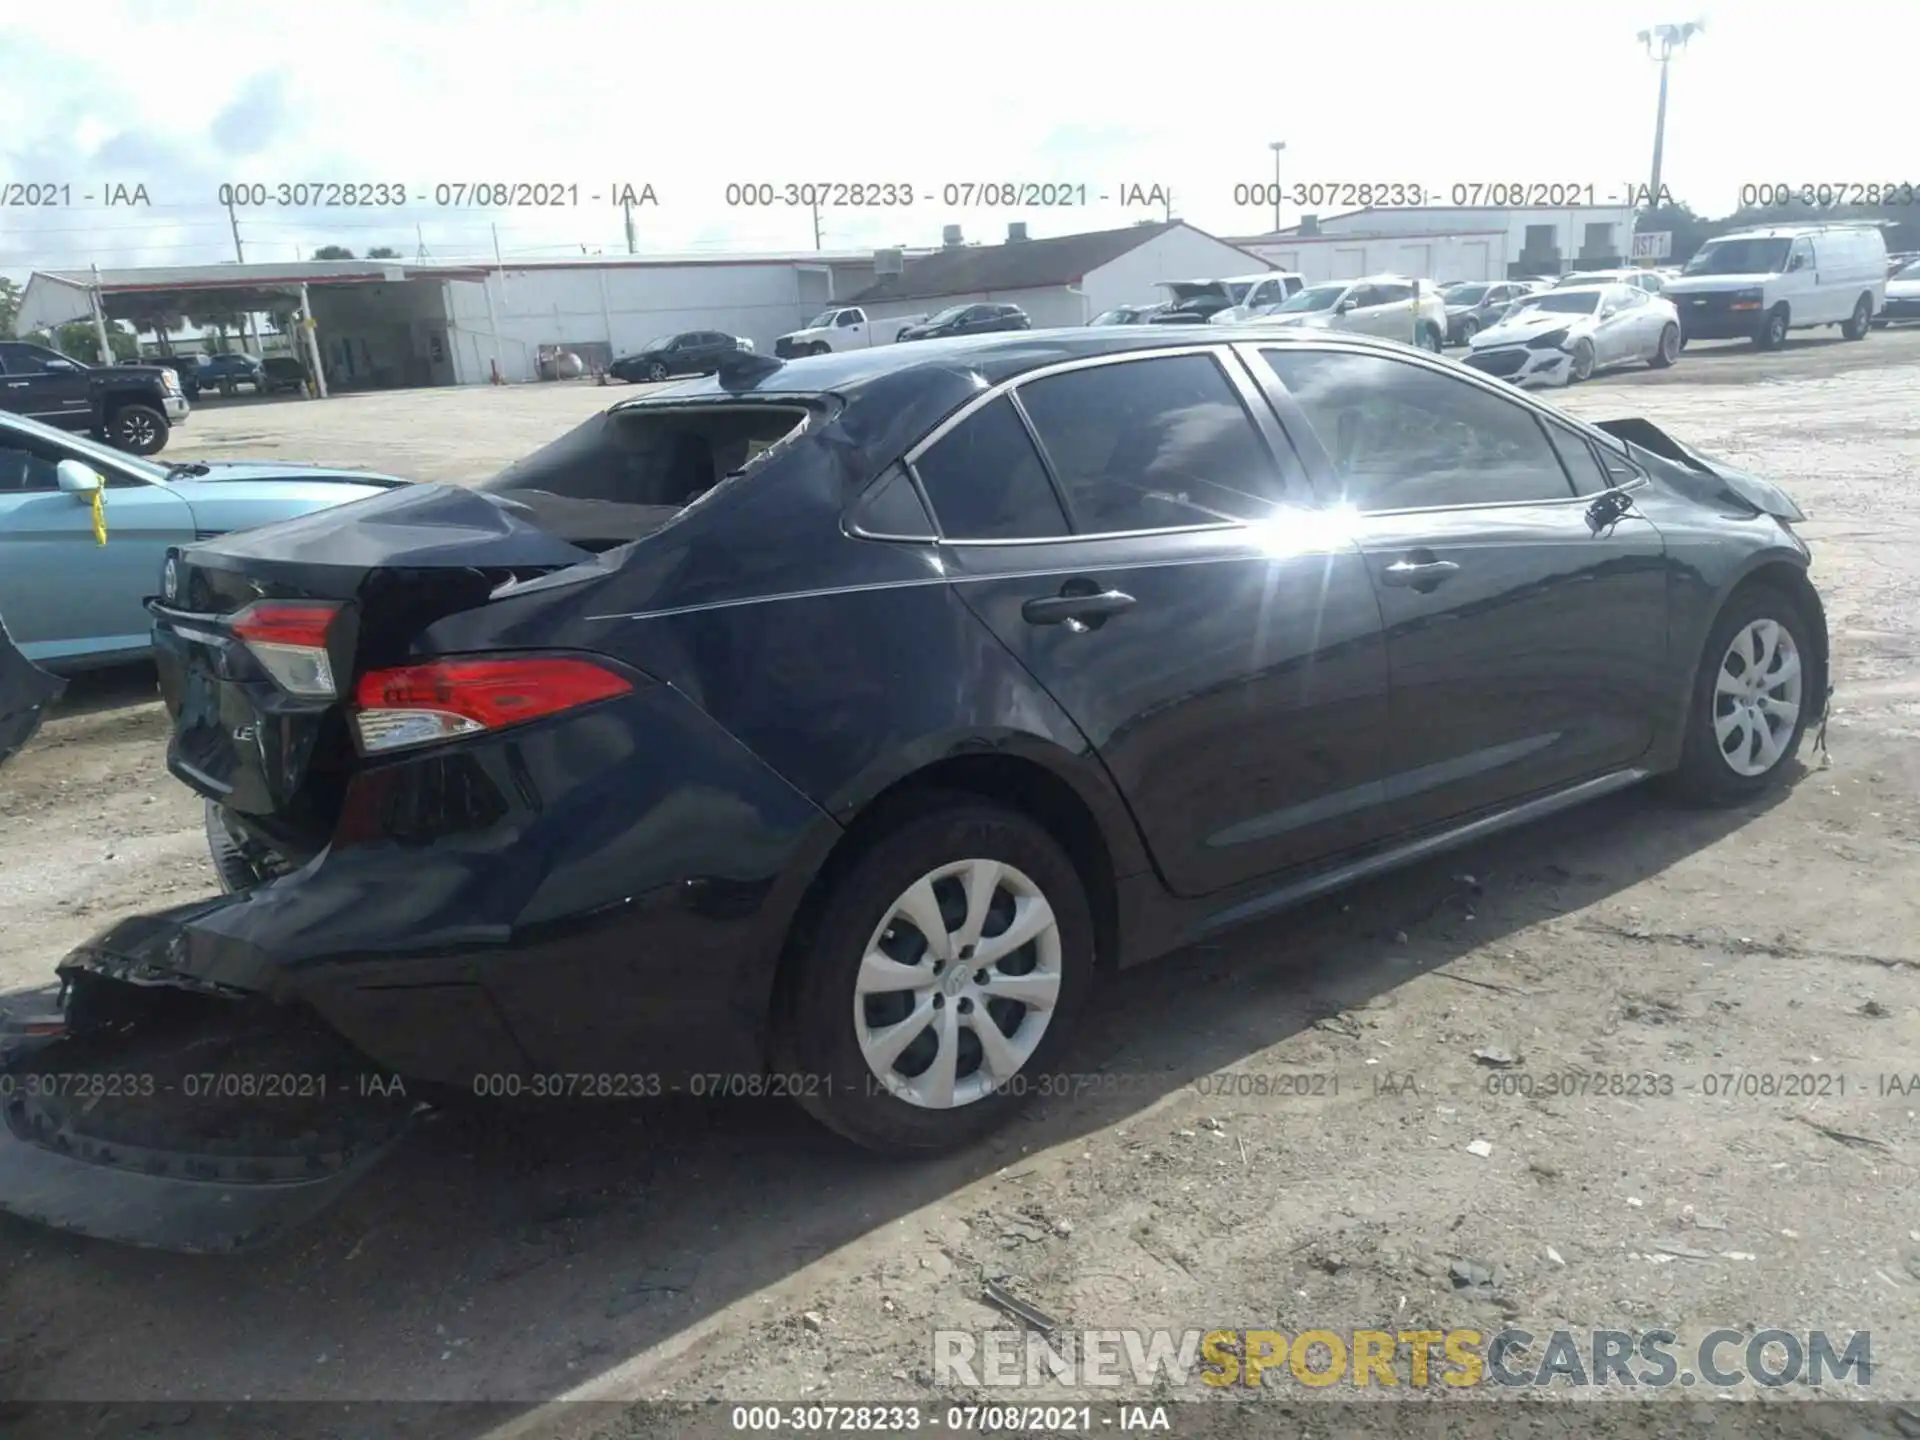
point(824, 729)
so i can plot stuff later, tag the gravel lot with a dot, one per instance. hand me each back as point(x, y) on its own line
point(732, 1250)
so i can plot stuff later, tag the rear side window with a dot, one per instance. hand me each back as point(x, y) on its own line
point(985, 480)
point(1152, 445)
point(1403, 437)
point(1589, 478)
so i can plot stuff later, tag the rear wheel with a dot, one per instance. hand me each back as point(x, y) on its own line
point(939, 982)
point(138, 429)
point(1861, 320)
point(239, 860)
point(1752, 699)
point(1668, 350)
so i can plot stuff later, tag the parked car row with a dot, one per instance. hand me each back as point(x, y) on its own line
point(134, 407)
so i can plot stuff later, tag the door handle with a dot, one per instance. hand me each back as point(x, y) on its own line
point(1076, 609)
point(1420, 575)
point(18, 384)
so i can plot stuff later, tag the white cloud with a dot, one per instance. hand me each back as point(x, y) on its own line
point(688, 98)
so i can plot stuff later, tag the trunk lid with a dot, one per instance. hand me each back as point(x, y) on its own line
point(389, 566)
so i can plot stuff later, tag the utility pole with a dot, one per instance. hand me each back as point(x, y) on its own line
point(239, 255)
point(1662, 42)
point(420, 255)
point(1278, 147)
point(816, 222)
point(628, 206)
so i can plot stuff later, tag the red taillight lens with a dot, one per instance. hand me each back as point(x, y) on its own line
point(418, 704)
point(289, 638)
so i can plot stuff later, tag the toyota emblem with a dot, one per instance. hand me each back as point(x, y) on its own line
point(170, 580)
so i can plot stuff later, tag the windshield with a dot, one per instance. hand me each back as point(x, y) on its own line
point(952, 312)
point(1465, 294)
point(1122, 316)
point(1318, 297)
point(821, 321)
point(106, 455)
point(1757, 255)
point(1569, 302)
point(1908, 271)
point(1237, 294)
point(659, 342)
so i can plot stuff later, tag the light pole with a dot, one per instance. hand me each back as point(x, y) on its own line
point(1662, 41)
point(1277, 146)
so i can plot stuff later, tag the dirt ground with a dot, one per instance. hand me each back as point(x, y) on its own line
point(730, 1250)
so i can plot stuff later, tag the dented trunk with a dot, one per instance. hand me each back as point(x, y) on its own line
point(260, 636)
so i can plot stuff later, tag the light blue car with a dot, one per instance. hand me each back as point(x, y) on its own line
point(72, 602)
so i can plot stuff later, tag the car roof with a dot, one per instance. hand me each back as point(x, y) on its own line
point(974, 361)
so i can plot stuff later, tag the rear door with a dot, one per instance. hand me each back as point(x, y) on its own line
point(1526, 624)
point(1136, 531)
point(64, 594)
point(46, 386)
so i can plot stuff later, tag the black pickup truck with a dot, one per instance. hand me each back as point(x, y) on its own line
point(133, 407)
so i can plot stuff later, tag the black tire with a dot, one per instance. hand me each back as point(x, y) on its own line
point(1705, 776)
point(1581, 366)
point(138, 430)
point(1668, 350)
point(656, 372)
point(239, 860)
point(1772, 334)
point(1468, 329)
point(815, 1040)
point(1861, 321)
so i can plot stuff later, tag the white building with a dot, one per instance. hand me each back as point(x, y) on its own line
point(384, 323)
point(1443, 242)
point(1059, 280)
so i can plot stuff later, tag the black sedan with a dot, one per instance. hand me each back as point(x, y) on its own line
point(968, 320)
point(1476, 306)
point(692, 352)
point(828, 729)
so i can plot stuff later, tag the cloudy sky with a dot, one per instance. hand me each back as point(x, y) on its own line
point(191, 94)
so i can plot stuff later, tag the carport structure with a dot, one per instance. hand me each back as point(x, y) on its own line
point(411, 297)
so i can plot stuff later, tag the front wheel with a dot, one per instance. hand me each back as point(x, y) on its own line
point(1582, 365)
point(1860, 321)
point(940, 982)
point(1752, 698)
point(656, 372)
point(138, 429)
point(1468, 329)
point(1668, 350)
point(1772, 334)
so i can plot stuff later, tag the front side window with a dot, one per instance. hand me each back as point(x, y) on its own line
point(1403, 437)
point(986, 482)
point(23, 471)
point(1152, 444)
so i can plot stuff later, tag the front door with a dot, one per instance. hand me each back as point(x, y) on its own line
point(64, 594)
point(1526, 621)
point(1155, 562)
point(46, 386)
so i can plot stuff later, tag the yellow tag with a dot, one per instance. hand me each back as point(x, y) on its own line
point(100, 514)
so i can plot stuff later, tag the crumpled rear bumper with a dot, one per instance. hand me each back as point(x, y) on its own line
point(182, 1118)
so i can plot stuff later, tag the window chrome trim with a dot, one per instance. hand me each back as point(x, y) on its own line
point(1245, 388)
point(1061, 367)
point(1543, 415)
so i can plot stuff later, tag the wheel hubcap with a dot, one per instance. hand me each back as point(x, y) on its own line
point(1669, 343)
point(1756, 697)
point(958, 984)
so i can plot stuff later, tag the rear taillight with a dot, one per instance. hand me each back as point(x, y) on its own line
point(418, 704)
point(289, 638)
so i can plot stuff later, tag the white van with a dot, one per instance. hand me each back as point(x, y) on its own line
point(1759, 284)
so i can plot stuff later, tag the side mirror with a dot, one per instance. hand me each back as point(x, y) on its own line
point(76, 479)
point(1345, 305)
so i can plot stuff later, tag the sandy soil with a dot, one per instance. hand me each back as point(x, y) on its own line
point(731, 1250)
